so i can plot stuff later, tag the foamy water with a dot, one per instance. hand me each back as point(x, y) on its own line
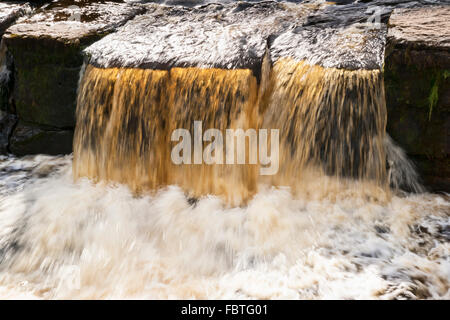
point(165, 245)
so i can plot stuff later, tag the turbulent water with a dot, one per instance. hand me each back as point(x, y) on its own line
point(341, 244)
point(125, 118)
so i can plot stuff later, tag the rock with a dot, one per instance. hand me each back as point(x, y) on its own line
point(417, 83)
point(346, 35)
point(6, 82)
point(9, 12)
point(357, 46)
point(46, 50)
point(33, 139)
point(231, 36)
point(7, 122)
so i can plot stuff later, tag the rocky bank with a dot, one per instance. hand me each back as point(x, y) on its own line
point(417, 81)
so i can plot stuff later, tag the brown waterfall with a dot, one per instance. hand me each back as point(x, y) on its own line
point(330, 121)
point(125, 118)
point(120, 126)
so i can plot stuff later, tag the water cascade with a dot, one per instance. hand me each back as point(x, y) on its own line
point(331, 120)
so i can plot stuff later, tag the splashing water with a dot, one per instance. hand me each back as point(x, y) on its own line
point(126, 116)
point(164, 246)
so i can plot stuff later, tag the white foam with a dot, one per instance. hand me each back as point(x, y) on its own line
point(163, 247)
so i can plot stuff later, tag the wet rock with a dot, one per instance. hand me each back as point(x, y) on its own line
point(46, 50)
point(236, 35)
point(7, 122)
point(194, 3)
point(357, 46)
point(9, 12)
point(417, 82)
point(223, 36)
point(349, 35)
point(33, 139)
point(6, 79)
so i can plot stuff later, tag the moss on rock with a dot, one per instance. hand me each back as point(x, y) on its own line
point(417, 85)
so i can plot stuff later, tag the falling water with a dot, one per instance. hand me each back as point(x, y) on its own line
point(165, 246)
point(331, 121)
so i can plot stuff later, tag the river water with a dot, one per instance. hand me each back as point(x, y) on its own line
point(66, 239)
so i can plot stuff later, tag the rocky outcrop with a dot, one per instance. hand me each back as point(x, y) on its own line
point(9, 13)
point(46, 49)
point(417, 82)
point(7, 123)
point(30, 138)
point(231, 36)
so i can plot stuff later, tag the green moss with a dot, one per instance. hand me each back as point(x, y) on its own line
point(433, 97)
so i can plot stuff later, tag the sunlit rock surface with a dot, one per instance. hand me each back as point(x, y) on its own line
point(422, 29)
point(46, 50)
point(417, 80)
point(72, 21)
point(234, 35)
point(223, 36)
point(9, 12)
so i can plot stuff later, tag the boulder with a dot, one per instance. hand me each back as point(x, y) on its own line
point(30, 138)
point(46, 51)
point(7, 122)
point(417, 83)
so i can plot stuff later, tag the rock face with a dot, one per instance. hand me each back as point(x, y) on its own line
point(417, 81)
point(46, 50)
point(9, 12)
point(7, 122)
point(237, 35)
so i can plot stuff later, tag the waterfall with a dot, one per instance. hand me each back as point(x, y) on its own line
point(331, 121)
